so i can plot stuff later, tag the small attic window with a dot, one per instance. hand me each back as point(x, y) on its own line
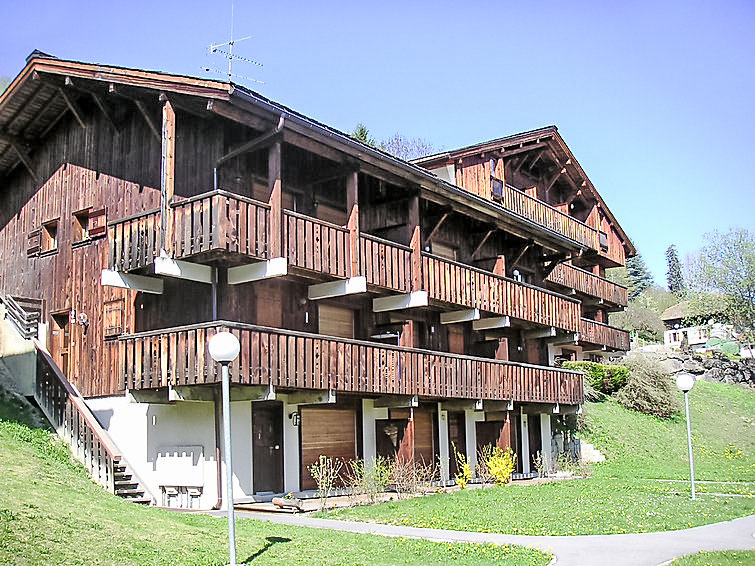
point(50, 236)
point(81, 226)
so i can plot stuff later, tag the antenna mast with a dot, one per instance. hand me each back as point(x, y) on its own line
point(215, 48)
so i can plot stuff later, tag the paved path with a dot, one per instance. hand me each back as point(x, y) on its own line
point(647, 549)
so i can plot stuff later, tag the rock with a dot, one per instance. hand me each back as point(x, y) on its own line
point(671, 365)
point(693, 366)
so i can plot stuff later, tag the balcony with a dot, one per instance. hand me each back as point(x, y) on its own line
point(593, 333)
point(586, 283)
point(450, 282)
point(297, 360)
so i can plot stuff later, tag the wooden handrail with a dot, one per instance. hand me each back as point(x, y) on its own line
point(315, 220)
point(384, 241)
point(568, 275)
point(219, 192)
point(133, 217)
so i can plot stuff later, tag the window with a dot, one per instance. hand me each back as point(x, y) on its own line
point(81, 225)
point(443, 250)
point(336, 321)
point(50, 236)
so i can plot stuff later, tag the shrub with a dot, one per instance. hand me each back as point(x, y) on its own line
point(649, 389)
point(325, 472)
point(464, 471)
point(501, 464)
point(370, 480)
point(604, 378)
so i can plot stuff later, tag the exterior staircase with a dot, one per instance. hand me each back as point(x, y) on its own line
point(74, 422)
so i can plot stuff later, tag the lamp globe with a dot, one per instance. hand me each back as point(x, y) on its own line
point(224, 347)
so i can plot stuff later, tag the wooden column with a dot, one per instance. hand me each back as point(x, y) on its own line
point(167, 174)
point(415, 242)
point(274, 170)
point(352, 207)
point(500, 265)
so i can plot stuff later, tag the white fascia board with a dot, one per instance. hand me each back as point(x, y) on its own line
point(340, 288)
point(398, 302)
point(113, 278)
point(165, 265)
point(453, 317)
point(491, 323)
point(276, 267)
point(547, 333)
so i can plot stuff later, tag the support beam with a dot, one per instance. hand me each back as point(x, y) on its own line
point(141, 283)
point(179, 269)
point(546, 333)
point(26, 160)
point(208, 393)
point(340, 288)
point(398, 302)
point(275, 185)
point(491, 323)
point(397, 402)
point(569, 339)
point(151, 396)
point(462, 405)
point(253, 392)
point(276, 267)
point(233, 113)
point(105, 111)
point(453, 317)
point(167, 173)
point(251, 145)
point(147, 118)
point(482, 242)
point(523, 251)
point(352, 209)
point(73, 107)
point(437, 227)
point(315, 397)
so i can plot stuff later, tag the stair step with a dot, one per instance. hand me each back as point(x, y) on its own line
point(121, 485)
point(139, 500)
point(130, 491)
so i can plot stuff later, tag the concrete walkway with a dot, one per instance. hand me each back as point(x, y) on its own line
point(647, 549)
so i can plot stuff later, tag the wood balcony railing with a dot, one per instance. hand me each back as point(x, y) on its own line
point(567, 275)
point(459, 284)
point(593, 332)
point(219, 221)
point(385, 264)
point(316, 245)
point(297, 360)
point(134, 242)
point(537, 211)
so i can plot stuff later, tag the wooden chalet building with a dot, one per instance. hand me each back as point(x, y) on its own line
point(383, 307)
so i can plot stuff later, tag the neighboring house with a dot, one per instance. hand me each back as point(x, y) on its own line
point(680, 333)
point(384, 308)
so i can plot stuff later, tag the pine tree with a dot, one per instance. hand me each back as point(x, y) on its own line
point(363, 134)
point(674, 276)
point(638, 276)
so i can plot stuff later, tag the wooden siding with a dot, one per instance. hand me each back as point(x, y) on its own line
point(297, 360)
point(451, 282)
point(582, 281)
point(592, 332)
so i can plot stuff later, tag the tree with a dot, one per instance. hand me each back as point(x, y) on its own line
point(674, 276)
point(363, 134)
point(638, 276)
point(406, 148)
point(4, 82)
point(725, 266)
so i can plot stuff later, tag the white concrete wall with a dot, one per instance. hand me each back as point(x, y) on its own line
point(525, 443)
point(369, 442)
point(17, 356)
point(141, 430)
point(470, 418)
point(444, 456)
point(546, 439)
point(291, 478)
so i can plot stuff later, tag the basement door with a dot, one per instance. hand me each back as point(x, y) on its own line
point(267, 446)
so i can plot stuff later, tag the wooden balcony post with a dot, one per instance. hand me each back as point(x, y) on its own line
point(415, 242)
point(352, 206)
point(500, 265)
point(167, 174)
point(274, 169)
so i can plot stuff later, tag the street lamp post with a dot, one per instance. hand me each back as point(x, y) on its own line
point(224, 348)
point(684, 383)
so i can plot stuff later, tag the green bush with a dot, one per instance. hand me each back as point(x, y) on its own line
point(649, 389)
point(604, 378)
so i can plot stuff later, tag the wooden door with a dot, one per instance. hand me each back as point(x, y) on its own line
point(60, 341)
point(267, 446)
point(533, 426)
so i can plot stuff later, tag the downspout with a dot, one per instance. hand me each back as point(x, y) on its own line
point(218, 440)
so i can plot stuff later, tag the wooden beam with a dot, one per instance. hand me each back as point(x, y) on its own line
point(340, 288)
point(482, 242)
point(276, 267)
point(73, 108)
point(260, 141)
point(100, 103)
point(50, 101)
point(26, 160)
point(275, 185)
point(519, 257)
point(147, 118)
point(496, 406)
point(461, 405)
point(553, 180)
point(549, 332)
point(167, 173)
point(437, 227)
point(398, 302)
point(315, 397)
point(523, 148)
point(230, 112)
point(352, 209)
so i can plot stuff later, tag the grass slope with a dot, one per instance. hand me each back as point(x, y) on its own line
point(621, 497)
point(51, 513)
point(723, 558)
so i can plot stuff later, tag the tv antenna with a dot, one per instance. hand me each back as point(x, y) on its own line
point(225, 50)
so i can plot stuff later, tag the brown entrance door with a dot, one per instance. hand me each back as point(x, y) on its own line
point(267, 446)
point(533, 424)
point(60, 342)
point(456, 437)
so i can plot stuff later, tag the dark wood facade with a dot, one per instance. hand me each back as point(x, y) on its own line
point(106, 168)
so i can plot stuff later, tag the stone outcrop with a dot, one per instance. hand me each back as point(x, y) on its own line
point(716, 368)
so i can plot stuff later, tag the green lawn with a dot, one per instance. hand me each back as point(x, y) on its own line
point(622, 496)
point(725, 558)
point(51, 513)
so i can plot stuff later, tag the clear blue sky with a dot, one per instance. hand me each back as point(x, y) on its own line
point(656, 99)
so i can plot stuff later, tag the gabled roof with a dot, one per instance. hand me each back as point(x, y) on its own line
point(547, 138)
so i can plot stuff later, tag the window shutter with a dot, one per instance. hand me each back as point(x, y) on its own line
point(97, 223)
point(113, 319)
point(34, 244)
